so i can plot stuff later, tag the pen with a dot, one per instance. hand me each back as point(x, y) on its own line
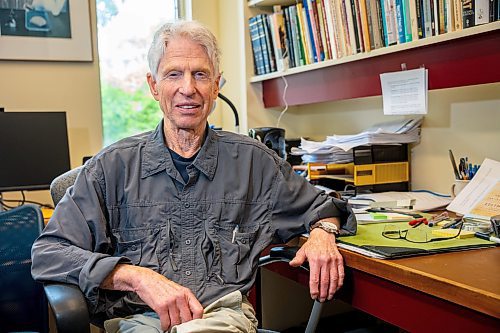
point(234, 233)
point(437, 223)
point(454, 165)
point(487, 237)
point(452, 223)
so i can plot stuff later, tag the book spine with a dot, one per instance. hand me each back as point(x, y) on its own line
point(309, 20)
point(442, 16)
point(332, 33)
point(365, 27)
point(434, 17)
point(300, 34)
point(295, 36)
point(306, 36)
point(256, 48)
point(281, 36)
point(467, 13)
point(263, 44)
point(400, 22)
point(269, 43)
point(420, 18)
point(313, 12)
point(427, 18)
point(457, 15)
point(288, 38)
point(390, 33)
point(359, 25)
point(323, 29)
point(481, 12)
point(340, 28)
point(380, 17)
point(492, 10)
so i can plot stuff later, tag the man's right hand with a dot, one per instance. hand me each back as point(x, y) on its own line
point(173, 303)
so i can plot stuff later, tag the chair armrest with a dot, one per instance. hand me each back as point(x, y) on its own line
point(69, 307)
point(281, 253)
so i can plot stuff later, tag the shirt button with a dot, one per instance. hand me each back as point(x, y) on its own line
point(186, 204)
point(187, 273)
point(188, 242)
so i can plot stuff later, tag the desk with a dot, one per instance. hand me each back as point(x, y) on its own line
point(449, 292)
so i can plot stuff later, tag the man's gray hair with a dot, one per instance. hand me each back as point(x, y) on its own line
point(189, 29)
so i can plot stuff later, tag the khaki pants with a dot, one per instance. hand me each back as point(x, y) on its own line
point(229, 314)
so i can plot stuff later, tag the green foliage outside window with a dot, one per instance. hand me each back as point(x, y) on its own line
point(127, 113)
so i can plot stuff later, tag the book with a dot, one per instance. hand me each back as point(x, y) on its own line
point(427, 18)
point(256, 47)
point(388, 22)
point(365, 30)
point(309, 18)
point(481, 12)
point(457, 15)
point(488, 206)
point(263, 44)
point(331, 27)
point(304, 31)
point(301, 29)
point(400, 22)
point(323, 29)
point(467, 14)
point(269, 43)
point(288, 37)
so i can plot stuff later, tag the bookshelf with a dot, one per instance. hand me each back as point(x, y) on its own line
point(459, 58)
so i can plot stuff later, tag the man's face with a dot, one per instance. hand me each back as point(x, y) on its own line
point(186, 85)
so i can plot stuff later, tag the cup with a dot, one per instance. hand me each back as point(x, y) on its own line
point(272, 137)
point(457, 186)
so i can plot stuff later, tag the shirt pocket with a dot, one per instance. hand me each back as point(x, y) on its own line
point(139, 245)
point(236, 241)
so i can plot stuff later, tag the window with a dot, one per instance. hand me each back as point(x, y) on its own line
point(125, 29)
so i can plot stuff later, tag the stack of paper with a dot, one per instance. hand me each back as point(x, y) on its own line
point(424, 200)
point(338, 148)
point(480, 199)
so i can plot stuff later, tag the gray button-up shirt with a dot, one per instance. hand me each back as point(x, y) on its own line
point(129, 204)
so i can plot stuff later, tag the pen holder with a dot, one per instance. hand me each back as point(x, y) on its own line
point(457, 186)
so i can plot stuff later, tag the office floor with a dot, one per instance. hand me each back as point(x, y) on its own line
point(348, 322)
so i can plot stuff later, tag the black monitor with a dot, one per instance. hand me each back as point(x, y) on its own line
point(33, 149)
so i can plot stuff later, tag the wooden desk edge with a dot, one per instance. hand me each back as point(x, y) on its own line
point(473, 298)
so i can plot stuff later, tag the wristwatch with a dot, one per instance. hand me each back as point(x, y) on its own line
point(327, 226)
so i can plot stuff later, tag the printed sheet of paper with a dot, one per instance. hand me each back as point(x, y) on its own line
point(481, 191)
point(405, 92)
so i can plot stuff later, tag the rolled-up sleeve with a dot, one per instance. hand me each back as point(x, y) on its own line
point(75, 247)
point(298, 204)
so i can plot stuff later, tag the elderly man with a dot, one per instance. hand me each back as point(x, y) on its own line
point(163, 230)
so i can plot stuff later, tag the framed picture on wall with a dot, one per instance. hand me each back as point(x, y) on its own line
point(51, 30)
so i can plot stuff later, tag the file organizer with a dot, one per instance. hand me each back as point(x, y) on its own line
point(376, 168)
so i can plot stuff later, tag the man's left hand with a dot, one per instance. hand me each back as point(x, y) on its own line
point(326, 273)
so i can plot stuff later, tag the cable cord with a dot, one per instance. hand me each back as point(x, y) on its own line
point(22, 202)
point(284, 100)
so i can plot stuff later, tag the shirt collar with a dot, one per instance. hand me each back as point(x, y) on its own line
point(156, 157)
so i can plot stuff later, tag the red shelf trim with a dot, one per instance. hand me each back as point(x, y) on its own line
point(468, 61)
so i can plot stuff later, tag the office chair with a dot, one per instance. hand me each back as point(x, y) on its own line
point(68, 303)
point(23, 306)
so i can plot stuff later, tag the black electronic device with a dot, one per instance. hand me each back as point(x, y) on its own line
point(33, 149)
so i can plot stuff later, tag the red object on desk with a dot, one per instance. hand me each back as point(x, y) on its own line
point(416, 222)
